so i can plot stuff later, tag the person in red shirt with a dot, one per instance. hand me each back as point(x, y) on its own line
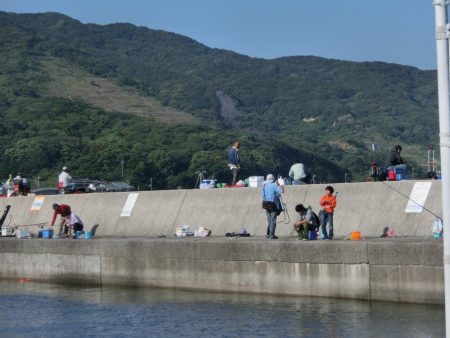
point(63, 210)
point(328, 203)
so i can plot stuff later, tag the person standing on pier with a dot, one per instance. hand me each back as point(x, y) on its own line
point(297, 174)
point(395, 158)
point(64, 180)
point(234, 163)
point(328, 203)
point(271, 194)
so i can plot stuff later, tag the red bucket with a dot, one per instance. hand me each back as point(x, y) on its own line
point(391, 175)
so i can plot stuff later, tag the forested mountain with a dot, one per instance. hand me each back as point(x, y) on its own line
point(86, 96)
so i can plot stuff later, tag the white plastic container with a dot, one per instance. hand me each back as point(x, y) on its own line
point(255, 181)
point(7, 231)
point(23, 234)
point(208, 184)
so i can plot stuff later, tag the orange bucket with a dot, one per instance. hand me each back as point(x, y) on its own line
point(355, 236)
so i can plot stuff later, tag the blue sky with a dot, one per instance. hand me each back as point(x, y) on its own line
point(398, 31)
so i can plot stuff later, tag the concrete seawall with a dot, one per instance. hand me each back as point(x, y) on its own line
point(128, 251)
point(365, 207)
point(380, 269)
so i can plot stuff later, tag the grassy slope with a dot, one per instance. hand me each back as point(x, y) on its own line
point(72, 82)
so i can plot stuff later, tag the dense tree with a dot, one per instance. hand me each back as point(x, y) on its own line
point(322, 112)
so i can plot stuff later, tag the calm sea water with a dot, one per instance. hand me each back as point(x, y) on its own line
point(45, 310)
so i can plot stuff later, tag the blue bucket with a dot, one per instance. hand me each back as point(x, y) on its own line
point(87, 235)
point(46, 233)
point(312, 235)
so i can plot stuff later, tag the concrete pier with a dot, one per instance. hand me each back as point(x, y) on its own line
point(405, 270)
point(140, 249)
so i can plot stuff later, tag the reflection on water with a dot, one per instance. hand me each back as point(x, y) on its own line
point(47, 310)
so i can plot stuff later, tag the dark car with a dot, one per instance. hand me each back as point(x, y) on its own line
point(77, 186)
point(119, 187)
point(97, 186)
point(44, 191)
point(85, 185)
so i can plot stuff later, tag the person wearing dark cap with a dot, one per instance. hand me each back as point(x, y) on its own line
point(64, 180)
point(395, 158)
point(305, 222)
point(18, 181)
point(234, 162)
point(63, 210)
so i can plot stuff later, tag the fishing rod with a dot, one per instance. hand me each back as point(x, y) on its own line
point(40, 225)
point(287, 219)
point(5, 213)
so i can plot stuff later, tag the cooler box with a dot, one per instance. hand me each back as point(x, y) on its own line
point(23, 234)
point(208, 184)
point(255, 181)
point(46, 233)
point(400, 171)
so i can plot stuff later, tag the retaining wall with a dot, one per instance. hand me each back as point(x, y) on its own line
point(366, 207)
point(381, 269)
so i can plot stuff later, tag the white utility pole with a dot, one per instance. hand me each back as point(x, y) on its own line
point(442, 49)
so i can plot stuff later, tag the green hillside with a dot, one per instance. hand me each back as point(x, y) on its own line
point(171, 106)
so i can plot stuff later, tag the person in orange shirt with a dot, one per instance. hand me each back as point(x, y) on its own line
point(328, 203)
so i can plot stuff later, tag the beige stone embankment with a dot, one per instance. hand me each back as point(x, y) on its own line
point(365, 207)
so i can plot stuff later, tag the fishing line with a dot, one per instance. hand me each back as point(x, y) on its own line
point(408, 198)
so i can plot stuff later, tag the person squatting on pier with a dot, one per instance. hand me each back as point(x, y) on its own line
point(271, 193)
point(73, 222)
point(306, 221)
point(328, 203)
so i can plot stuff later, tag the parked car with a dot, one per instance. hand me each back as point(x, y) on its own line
point(86, 185)
point(119, 186)
point(97, 186)
point(77, 186)
point(43, 191)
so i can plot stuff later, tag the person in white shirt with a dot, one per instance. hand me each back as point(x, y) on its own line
point(64, 180)
point(297, 174)
point(74, 222)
